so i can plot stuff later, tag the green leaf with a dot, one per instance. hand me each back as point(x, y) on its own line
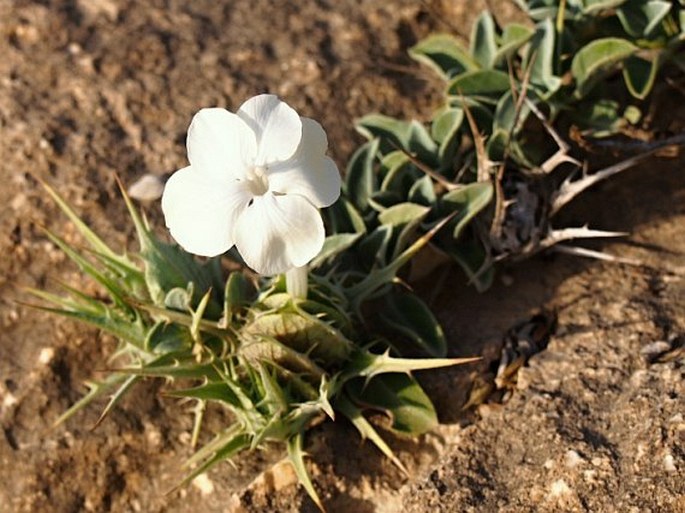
point(401, 397)
point(480, 83)
point(108, 281)
point(333, 245)
point(363, 290)
point(210, 391)
point(373, 248)
point(473, 258)
point(639, 75)
point(302, 332)
point(541, 58)
point(167, 338)
point(467, 202)
point(130, 331)
point(506, 115)
point(238, 293)
point(398, 173)
point(422, 192)
point(360, 179)
point(407, 314)
point(484, 40)
point(296, 456)
point(167, 266)
point(343, 217)
point(444, 54)
point(402, 214)
point(96, 390)
point(117, 396)
point(592, 7)
point(446, 124)
point(404, 218)
point(598, 58)
point(640, 18)
point(235, 444)
point(91, 237)
point(513, 37)
point(410, 136)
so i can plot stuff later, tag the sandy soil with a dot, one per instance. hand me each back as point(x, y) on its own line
point(90, 88)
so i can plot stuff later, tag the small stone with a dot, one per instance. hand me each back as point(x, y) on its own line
point(8, 400)
point(148, 187)
point(18, 202)
point(283, 475)
point(46, 355)
point(204, 484)
point(559, 488)
point(669, 464)
point(676, 419)
point(74, 48)
point(572, 459)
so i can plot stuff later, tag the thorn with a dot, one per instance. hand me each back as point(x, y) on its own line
point(597, 255)
point(570, 190)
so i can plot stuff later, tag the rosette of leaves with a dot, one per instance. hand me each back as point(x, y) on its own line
point(280, 365)
point(494, 148)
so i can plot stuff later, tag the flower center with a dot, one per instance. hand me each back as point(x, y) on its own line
point(257, 181)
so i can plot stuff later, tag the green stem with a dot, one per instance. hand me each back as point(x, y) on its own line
point(296, 282)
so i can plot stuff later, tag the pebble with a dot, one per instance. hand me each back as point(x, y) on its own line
point(204, 484)
point(148, 187)
point(572, 459)
point(559, 488)
point(669, 464)
point(46, 355)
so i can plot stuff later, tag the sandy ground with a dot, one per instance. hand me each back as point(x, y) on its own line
point(90, 88)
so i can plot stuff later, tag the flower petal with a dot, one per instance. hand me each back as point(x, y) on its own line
point(276, 233)
point(220, 144)
point(309, 172)
point(201, 213)
point(277, 126)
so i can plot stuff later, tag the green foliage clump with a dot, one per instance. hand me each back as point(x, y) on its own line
point(279, 364)
point(581, 66)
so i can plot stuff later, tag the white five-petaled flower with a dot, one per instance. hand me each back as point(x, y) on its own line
point(256, 180)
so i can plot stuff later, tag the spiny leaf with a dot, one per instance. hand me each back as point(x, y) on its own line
point(120, 393)
point(296, 456)
point(108, 282)
point(209, 391)
point(409, 315)
point(130, 331)
point(368, 365)
point(400, 396)
point(360, 292)
point(96, 389)
point(91, 237)
point(236, 444)
point(366, 430)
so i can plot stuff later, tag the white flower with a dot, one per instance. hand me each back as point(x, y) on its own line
point(256, 180)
